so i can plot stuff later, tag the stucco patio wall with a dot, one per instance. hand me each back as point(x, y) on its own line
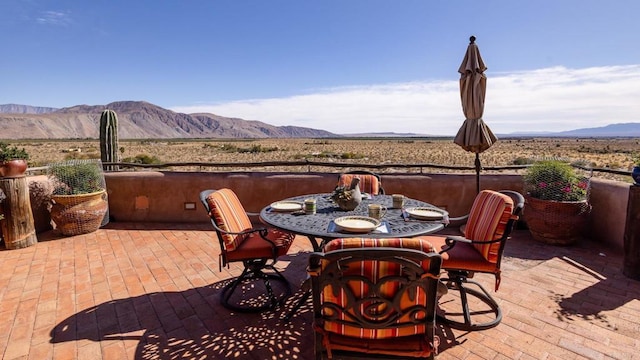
point(169, 196)
point(157, 196)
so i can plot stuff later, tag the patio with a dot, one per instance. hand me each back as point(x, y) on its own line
point(149, 291)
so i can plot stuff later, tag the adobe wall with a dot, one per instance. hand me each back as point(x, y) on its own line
point(156, 196)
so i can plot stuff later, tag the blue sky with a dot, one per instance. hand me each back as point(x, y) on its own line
point(345, 66)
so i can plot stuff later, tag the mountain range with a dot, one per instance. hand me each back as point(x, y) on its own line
point(612, 130)
point(136, 120)
point(142, 120)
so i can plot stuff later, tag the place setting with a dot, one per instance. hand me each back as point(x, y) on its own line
point(362, 224)
point(358, 225)
point(425, 213)
point(286, 206)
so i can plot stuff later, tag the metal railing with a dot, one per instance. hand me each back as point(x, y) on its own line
point(309, 165)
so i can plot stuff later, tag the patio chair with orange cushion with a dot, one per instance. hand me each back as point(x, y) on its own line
point(369, 182)
point(490, 222)
point(375, 297)
point(257, 248)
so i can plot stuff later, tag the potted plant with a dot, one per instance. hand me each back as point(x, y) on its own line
point(79, 201)
point(347, 197)
point(556, 202)
point(13, 160)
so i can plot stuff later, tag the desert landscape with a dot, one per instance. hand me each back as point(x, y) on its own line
point(612, 153)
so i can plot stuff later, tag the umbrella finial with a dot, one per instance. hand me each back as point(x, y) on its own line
point(472, 39)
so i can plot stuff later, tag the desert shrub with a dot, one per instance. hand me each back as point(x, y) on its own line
point(350, 155)
point(81, 156)
point(142, 159)
point(583, 163)
point(318, 142)
point(230, 148)
point(255, 149)
point(522, 161)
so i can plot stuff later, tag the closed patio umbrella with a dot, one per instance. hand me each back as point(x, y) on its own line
point(474, 135)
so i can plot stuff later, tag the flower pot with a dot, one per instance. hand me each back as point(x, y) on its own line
point(354, 198)
point(13, 168)
point(556, 222)
point(79, 214)
point(349, 205)
point(635, 174)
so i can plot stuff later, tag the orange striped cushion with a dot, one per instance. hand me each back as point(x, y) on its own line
point(488, 218)
point(374, 271)
point(368, 183)
point(229, 215)
point(404, 243)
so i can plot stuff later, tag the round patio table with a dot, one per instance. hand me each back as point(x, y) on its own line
point(320, 225)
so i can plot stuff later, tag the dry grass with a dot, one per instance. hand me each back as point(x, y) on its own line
point(613, 153)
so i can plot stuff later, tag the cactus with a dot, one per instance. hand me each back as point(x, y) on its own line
point(109, 138)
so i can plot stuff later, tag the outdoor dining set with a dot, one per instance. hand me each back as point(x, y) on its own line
point(380, 276)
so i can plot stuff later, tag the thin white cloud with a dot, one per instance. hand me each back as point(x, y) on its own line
point(552, 99)
point(58, 18)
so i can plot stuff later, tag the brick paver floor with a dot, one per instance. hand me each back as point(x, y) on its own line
point(150, 291)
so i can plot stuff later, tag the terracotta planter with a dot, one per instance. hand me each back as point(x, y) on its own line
point(556, 222)
point(79, 214)
point(13, 168)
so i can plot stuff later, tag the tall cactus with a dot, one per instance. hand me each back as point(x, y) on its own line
point(109, 138)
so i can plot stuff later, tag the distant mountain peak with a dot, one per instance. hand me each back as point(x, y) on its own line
point(25, 109)
point(139, 120)
point(611, 130)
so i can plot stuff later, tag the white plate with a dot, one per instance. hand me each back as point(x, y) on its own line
point(286, 206)
point(358, 224)
point(426, 213)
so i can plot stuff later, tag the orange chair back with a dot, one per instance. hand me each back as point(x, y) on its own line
point(368, 183)
point(364, 277)
point(229, 215)
point(488, 218)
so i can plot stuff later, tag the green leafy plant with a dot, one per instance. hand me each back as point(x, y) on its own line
point(12, 152)
point(76, 177)
point(555, 180)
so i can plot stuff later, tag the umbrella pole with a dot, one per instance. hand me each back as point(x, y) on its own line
point(478, 167)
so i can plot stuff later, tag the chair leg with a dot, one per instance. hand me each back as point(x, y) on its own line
point(251, 273)
point(491, 313)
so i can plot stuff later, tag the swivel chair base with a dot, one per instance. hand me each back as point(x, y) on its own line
point(250, 278)
point(486, 313)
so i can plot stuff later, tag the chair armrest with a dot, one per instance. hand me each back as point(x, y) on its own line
point(262, 230)
point(451, 241)
point(459, 218)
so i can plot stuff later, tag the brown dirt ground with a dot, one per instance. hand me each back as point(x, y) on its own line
point(615, 153)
